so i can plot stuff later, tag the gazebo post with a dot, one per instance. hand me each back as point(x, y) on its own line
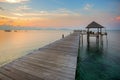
point(88, 36)
point(101, 36)
point(100, 31)
point(97, 36)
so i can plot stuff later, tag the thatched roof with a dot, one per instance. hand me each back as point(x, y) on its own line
point(94, 25)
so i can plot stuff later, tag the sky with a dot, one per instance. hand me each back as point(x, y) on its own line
point(59, 13)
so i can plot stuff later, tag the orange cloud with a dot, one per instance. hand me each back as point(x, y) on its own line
point(118, 18)
point(4, 20)
point(57, 18)
point(44, 18)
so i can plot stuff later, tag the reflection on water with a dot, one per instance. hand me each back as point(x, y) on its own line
point(17, 44)
point(100, 61)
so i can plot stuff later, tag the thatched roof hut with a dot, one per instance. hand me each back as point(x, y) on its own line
point(94, 25)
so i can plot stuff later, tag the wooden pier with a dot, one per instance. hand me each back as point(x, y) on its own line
point(56, 61)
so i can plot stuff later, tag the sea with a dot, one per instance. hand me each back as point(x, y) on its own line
point(95, 62)
point(15, 44)
point(100, 61)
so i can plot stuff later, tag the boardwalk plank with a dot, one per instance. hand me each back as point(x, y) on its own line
point(3, 77)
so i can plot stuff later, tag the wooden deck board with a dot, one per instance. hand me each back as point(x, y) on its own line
point(3, 77)
point(56, 61)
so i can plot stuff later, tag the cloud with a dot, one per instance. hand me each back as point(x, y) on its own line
point(13, 1)
point(42, 13)
point(118, 18)
point(4, 20)
point(56, 17)
point(23, 8)
point(59, 17)
point(62, 10)
point(88, 7)
point(18, 14)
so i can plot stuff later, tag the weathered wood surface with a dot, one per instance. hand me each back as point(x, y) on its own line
point(56, 61)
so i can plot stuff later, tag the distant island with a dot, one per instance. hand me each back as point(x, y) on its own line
point(8, 27)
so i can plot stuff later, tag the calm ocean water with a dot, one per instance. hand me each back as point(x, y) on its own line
point(97, 63)
point(100, 62)
point(16, 44)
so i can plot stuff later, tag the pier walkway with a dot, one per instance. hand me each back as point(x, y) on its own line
point(56, 61)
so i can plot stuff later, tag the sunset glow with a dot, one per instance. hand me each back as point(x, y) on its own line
point(59, 13)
